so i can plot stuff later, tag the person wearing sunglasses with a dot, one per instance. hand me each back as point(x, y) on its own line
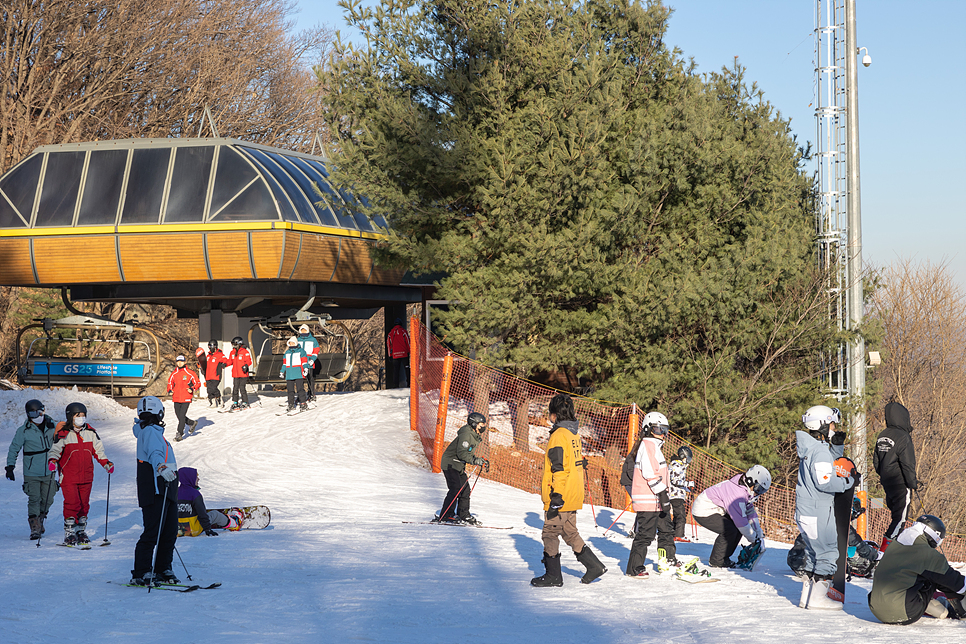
point(34, 438)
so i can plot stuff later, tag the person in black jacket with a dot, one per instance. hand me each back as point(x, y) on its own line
point(895, 462)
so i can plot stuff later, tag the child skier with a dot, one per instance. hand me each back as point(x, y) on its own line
point(311, 347)
point(76, 445)
point(294, 368)
point(35, 438)
point(157, 482)
point(562, 492)
point(182, 384)
point(650, 498)
point(456, 456)
point(193, 517)
point(213, 367)
point(680, 486)
point(728, 509)
point(240, 360)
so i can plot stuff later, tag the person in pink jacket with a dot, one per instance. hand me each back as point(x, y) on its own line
point(649, 495)
point(728, 509)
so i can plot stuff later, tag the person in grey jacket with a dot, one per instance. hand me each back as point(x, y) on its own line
point(455, 458)
point(894, 460)
point(35, 438)
point(814, 499)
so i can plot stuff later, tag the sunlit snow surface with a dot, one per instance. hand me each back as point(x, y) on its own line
point(338, 564)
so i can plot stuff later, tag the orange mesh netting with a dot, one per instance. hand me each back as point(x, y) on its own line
point(446, 387)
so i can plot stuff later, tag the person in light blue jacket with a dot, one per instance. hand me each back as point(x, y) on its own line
point(818, 447)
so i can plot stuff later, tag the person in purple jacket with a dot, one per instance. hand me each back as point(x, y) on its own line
point(728, 509)
point(193, 517)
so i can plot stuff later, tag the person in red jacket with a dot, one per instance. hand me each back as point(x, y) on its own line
point(240, 360)
point(182, 384)
point(75, 444)
point(397, 348)
point(216, 362)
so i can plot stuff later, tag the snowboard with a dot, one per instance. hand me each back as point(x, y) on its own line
point(253, 517)
point(749, 556)
point(843, 517)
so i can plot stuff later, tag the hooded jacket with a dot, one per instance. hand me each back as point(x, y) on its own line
point(153, 450)
point(817, 481)
point(460, 452)
point(35, 441)
point(192, 513)
point(650, 476)
point(73, 450)
point(562, 472)
point(895, 456)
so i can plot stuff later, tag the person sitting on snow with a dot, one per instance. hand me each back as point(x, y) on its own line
point(193, 517)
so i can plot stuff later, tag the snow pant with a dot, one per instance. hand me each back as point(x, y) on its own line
point(897, 500)
point(293, 386)
point(400, 368)
point(144, 550)
point(213, 392)
point(239, 388)
point(564, 526)
point(727, 541)
point(457, 501)
point(40, 491)
point(680, 509)
point(181, 411)
point(309, 382)
point(77, 498)
point(917, 599)
point(218, 519)
point(649, 523)
point(821, 542)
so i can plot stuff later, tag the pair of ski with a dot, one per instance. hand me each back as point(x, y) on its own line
point(87, 545)
point(458, 525)
point(177, 588)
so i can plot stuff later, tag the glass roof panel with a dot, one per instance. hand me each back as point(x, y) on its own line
point(8, 216)
point(102, 188)
point(335, 201)
point(145, 186)
point(299, 199)
point(20, 185)
point(249, 205)
point(284, 204)
point(377, 218)
point(306, 185)
point(316, 179)
point(189, 185)
point(234, 174)
point(61, 185)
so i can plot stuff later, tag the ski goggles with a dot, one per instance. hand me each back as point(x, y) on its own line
point(35, 413)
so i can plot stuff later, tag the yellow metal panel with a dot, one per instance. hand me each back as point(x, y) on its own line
point(228, 256)
point(354, 262)
point(76, 260)
point(390, 277)
point(163, 258)
point(15, 267)
point(317, 258)
point(291, 253)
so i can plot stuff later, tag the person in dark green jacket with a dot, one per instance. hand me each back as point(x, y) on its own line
point(456, 457)
point(34, 437)
point(911, 571)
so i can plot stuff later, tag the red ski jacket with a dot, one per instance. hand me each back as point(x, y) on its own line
point(73, 450)
point(398, 343)
point(182, 384)
point(239, 358)
point(216, 362)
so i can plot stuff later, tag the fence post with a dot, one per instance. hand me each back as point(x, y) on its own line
point(633, 424)
point(414, 362)
point(862, 523)
point(441, 413)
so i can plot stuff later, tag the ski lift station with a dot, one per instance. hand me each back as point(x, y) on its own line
point(251, 240)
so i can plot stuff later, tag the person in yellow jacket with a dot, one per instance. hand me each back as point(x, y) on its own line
point(562, 492)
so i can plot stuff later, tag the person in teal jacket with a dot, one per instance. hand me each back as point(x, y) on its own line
point(295, 366)
point(35, 438)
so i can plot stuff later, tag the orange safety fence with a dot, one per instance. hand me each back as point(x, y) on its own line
point(446, 387)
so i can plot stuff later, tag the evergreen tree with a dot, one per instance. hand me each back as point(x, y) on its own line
point(598, 208)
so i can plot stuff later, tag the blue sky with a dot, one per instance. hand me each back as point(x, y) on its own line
point(912, 100)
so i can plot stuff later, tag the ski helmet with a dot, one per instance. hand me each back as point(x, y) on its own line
point(818, 419)
point(72, 410)
point(934, 529)
point(237, 341)
point(212, 345)
point(150, 407)
point(293, 341)
point(476, 419)
point(656, 423)
point(304, 329)
point(685, 454)
point(757, 479)
point(34, 409)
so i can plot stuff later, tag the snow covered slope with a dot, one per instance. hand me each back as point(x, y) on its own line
point(338, 564)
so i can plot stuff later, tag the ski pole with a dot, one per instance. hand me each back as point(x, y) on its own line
point(157, 543)
point(187, 574)
point(107, 510)
point(617, 519)
point(458, 493)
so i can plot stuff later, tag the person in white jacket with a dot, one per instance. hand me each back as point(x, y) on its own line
point(649, 495)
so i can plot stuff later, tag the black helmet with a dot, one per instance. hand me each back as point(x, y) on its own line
point(212, 345)
point(34, 409)
point(935, 529)
point(475, 419)
point(237, 341)
point(72, 410)
point(685, 454)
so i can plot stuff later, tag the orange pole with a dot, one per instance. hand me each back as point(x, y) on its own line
point(414, 373)
point(862, 523)
point(441, 413)
point(633, 425)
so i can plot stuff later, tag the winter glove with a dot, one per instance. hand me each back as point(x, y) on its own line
point(305, 372)
point(245, 369)
point(838, 438)
point(167, 473)
point(556, 502)
point(211, 533)
point(486, 465)
point(665, 501)
point(109, 466)
point(281, 374)
point(9, 470)
point(52, 465)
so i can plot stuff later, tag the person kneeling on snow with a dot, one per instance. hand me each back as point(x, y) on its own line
point(911, 571)
point(193, 517)
point(728, 509)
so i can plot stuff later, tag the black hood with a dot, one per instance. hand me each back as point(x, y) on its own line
point(569, 425)
point(897, 416)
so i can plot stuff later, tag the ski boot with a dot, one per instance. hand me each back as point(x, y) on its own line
point(593, 565)
point(552, 577)
point(147, 579)
point(35, 527)
point(80, 529)
point(178, 437)
point(166, 577)
point(470, 520)
point(235, 520)
point(70, 538)
point(818, 598)
point(293, 410)
point(303, 407)
point(666, 566)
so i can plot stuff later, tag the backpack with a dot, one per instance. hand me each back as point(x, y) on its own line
point(630, 462)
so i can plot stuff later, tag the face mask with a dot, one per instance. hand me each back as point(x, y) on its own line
point(38, 420)
point(80, 421)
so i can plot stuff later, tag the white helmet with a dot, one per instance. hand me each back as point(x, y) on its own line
point(304, 329)
point(656, 423)
point(150, 405)
point(819, 417)
point(757, 479)
point(293, 342)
